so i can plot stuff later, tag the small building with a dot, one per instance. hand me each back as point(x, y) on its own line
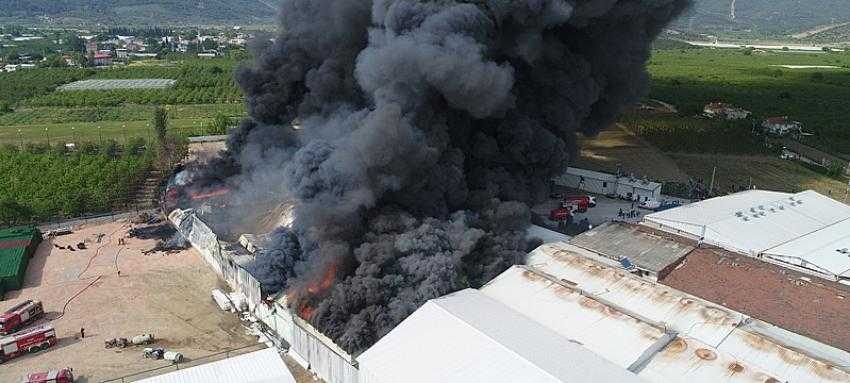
point(609, 184)
point(782, 126)
point(122, 53)
point(723, 111)
point(641, 250)
point(102, 59)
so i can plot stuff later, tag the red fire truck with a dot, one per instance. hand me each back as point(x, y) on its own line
point(33, 339)
point(20, 315)
point(65, 375)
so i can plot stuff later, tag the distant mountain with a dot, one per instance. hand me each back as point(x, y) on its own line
point(126, 12)
point(764, 17)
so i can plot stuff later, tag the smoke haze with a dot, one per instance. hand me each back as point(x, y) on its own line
point(424, 131)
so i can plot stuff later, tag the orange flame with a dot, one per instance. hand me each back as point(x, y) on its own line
point(210, 194)
point(320, 286)
point(306, 312)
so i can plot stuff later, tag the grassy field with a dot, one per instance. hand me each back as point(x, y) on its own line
point(755, 81)
point(205, 89)
point(768, 173)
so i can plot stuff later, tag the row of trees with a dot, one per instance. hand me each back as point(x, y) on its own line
point(39, 186)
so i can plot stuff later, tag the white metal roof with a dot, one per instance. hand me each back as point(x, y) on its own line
point(591, 174)
point(827, 249)
point(755, 221)
point(546, 235)
point(256, 367)
point(614, 335)
point(713, 344)
point(655, 303)
point(469, 337)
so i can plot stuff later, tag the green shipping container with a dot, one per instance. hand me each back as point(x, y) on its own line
point(13, 268)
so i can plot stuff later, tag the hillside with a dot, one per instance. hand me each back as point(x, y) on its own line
point(763, 17)
point(126, 12)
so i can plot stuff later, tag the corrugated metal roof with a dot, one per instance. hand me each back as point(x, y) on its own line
point(827, 249)
point(713, 344)
point(13, 267)
point(755, 221)
point(602, 329)
point(656, 303)
point(546, 235)
point(10, 261)
point(255, 367)
point(689, 360)
point(591, 174)
point(469, 337)
point(647, 251)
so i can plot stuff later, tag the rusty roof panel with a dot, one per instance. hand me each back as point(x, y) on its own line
point(660, 304)
point(805, 305)
point(645, 249)
point(615, 335)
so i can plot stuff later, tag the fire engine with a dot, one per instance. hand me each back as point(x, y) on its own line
point(20, 315)
point(65, 375)
point(33, 339)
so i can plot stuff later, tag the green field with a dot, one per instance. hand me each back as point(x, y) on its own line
point(35, 112)
point(816, 97)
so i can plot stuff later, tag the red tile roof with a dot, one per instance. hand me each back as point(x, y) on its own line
point(816, 308)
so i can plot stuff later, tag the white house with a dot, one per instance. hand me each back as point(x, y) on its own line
point(782, 126)
point(725, 111)
point(609, 184)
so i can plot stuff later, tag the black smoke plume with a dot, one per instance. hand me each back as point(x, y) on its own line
point(411, 137)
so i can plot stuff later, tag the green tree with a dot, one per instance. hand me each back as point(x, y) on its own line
point(160, 125)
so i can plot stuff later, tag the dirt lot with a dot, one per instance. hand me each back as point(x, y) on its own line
point(616, 146)
point(163, 294)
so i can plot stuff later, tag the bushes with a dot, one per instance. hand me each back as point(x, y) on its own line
point(23, 84)
point(41, 183)
point(677, 134)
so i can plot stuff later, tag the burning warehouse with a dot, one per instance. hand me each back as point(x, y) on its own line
point(426, 128)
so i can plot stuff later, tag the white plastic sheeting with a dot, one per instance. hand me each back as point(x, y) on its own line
point(205, 241)
point(255, 367)
point(468, 337)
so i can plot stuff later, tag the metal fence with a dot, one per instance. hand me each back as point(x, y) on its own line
point(188, 363)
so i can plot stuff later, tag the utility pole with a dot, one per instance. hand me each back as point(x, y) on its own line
point(21, 139)
point(100, 136)
point(47, 133)
point(711, 186)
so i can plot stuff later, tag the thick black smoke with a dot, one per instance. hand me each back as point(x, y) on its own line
point(424, 130)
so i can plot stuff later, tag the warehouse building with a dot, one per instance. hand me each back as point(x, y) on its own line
point(609, 184)
point(709, 338)
point(647, 252)
point(568, 318)
point(17, 245)
point(469, 337)
point(805, 231)
point(813, 307)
